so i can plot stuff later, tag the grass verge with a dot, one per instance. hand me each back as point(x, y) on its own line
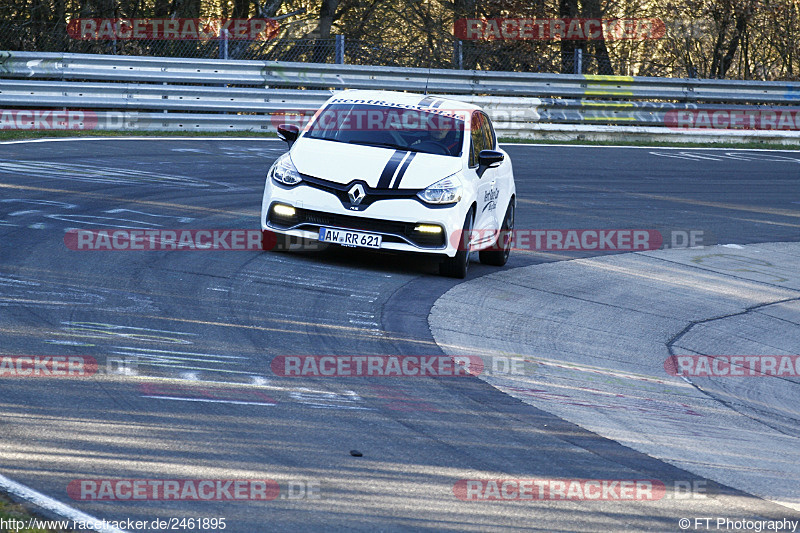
point(16, 512)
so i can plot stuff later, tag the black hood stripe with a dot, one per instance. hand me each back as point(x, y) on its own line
point(396, 175)
point(403, 170)
point(437, 104)
point(390, 168)
point(426, 101)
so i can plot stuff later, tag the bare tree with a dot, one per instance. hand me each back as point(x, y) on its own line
point(731, 18)
point(593, 10)
point(327, 16)
point(567, 9)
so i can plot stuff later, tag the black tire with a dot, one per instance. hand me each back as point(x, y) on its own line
point(457, 266)
point(498, 254)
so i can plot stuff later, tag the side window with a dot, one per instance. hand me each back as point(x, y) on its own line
point(478, 138)
point(490, 139)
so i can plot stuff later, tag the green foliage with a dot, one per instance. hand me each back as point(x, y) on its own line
point(9, 510)
point(740, 39)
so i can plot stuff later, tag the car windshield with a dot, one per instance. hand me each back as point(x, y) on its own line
point(433, 131)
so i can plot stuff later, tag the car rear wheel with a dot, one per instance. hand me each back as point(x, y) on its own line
point(457, 266)
point(498, 254)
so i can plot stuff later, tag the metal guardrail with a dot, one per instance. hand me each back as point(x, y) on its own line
point(130, 96)
point(319, 75)
point(194, 94)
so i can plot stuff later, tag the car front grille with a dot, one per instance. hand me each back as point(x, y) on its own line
point(310, 220)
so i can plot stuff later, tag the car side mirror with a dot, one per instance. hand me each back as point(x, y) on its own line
point(288, 133)
point(489, 159)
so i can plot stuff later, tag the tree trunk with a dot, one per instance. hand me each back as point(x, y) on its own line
point(188, 8)
point(327, 15)
point(268, 10)
point(727, 14)
point(727, 59)
point(567, 9)
point(466, 9)
point(593, 10)
point(241, 9)
point(162, 8)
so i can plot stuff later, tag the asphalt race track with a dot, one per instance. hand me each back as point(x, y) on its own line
point(201, 402)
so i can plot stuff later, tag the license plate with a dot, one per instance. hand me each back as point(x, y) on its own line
point(350, 238)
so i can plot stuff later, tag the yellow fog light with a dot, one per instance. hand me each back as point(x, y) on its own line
point(428, 228)
point(283, 210)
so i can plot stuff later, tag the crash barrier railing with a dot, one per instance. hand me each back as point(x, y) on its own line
point(151, 93)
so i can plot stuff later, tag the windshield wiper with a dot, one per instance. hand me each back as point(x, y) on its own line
point(387, 145)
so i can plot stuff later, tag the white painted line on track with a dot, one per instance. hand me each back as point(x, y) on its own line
point(363, 323)
point(54, 506)
point(653, 147)
point(254, 382)
point(200, 368)
point(177, 353)
point(208, 400)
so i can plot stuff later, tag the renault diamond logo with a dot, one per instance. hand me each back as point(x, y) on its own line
point(356, 194)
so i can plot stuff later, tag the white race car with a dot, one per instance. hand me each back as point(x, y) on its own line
point(394, 171)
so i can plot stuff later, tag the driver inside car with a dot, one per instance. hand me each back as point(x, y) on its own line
point(447, 138)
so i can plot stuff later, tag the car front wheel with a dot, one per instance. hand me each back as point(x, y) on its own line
point(498, 254)
point(457, 266)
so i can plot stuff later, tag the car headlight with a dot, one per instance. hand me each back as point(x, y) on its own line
point(445, 191)
point(284, 172)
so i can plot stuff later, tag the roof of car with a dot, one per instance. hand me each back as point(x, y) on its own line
point(415, 100)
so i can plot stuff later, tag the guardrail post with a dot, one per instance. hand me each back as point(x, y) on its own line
point(339, 50)
point(577, 62)
point(458, 55)
point(223, 44)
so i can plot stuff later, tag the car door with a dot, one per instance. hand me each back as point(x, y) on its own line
point(483, 138)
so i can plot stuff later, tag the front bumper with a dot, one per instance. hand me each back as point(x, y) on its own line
point(396, 220)
point(392, 231)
